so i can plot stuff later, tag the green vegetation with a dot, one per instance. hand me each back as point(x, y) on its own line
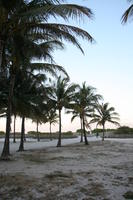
point(2, 133)
point(85, 101)
point(124, 130)
point(100, 130)
point(79, 130)
point(128, 195)
point(104, 114)
point(63, 95)
point(46, 135)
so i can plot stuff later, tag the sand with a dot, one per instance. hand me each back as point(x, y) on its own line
point(99, 171)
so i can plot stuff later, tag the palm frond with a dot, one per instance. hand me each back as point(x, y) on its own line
point(127, 14)
point(61, 31)
point(49, 68)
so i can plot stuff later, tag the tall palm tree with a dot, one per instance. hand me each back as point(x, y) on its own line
point(84, 103)
point(63, 93)
point(105, 114)
point(128, 13)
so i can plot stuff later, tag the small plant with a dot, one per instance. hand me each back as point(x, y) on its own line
point(128, 195)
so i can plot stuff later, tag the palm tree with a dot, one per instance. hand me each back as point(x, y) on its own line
point(39, 114)
point(52, 118)
point(128, 13)
point(83, 107)
point(77, 112)
point(105, 114)
point(63, 93)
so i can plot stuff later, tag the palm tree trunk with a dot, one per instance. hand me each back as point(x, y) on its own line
point(38, 136)
point(85, 137)
point(21, 147)
point(103, 132)
point(3, 67)
point(24, 137)
point(81, 139)
point(6, 149)
point(14, 134)
point(1, 51)
point(59, 139)
point(50, 131)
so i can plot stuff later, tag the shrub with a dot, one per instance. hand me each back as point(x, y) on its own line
point(79, 131)
point(2, 133)
point(68, 133)
point(124, 130)
point(100, 130)
point(97, 130)
point(54, 134)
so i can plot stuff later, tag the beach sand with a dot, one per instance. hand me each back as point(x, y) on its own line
point(99, 171)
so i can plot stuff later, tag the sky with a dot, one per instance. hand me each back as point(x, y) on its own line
point(107, 63)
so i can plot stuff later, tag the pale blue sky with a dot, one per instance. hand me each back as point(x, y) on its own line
point(107, 64)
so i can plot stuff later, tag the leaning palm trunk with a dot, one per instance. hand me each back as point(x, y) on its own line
point(103, 133)
point(6, 149)
point(21, 147)
point(14, 132)
point(81, 139)
point(59, 139)
point(85, 137)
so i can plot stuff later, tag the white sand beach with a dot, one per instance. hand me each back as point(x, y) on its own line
point(99, 171)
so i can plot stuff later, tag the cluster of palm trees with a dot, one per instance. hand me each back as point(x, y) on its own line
point(28, 70)
point(27, 40)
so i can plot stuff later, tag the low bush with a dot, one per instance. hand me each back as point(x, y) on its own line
point(100, 130)
point(2, 133)
point(54, 134)
point(79, 131)
point(124, 130)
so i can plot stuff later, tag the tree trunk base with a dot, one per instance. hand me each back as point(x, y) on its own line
point(5, 158)
point(58, 144)
point(87, 143)
point(20, 149)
